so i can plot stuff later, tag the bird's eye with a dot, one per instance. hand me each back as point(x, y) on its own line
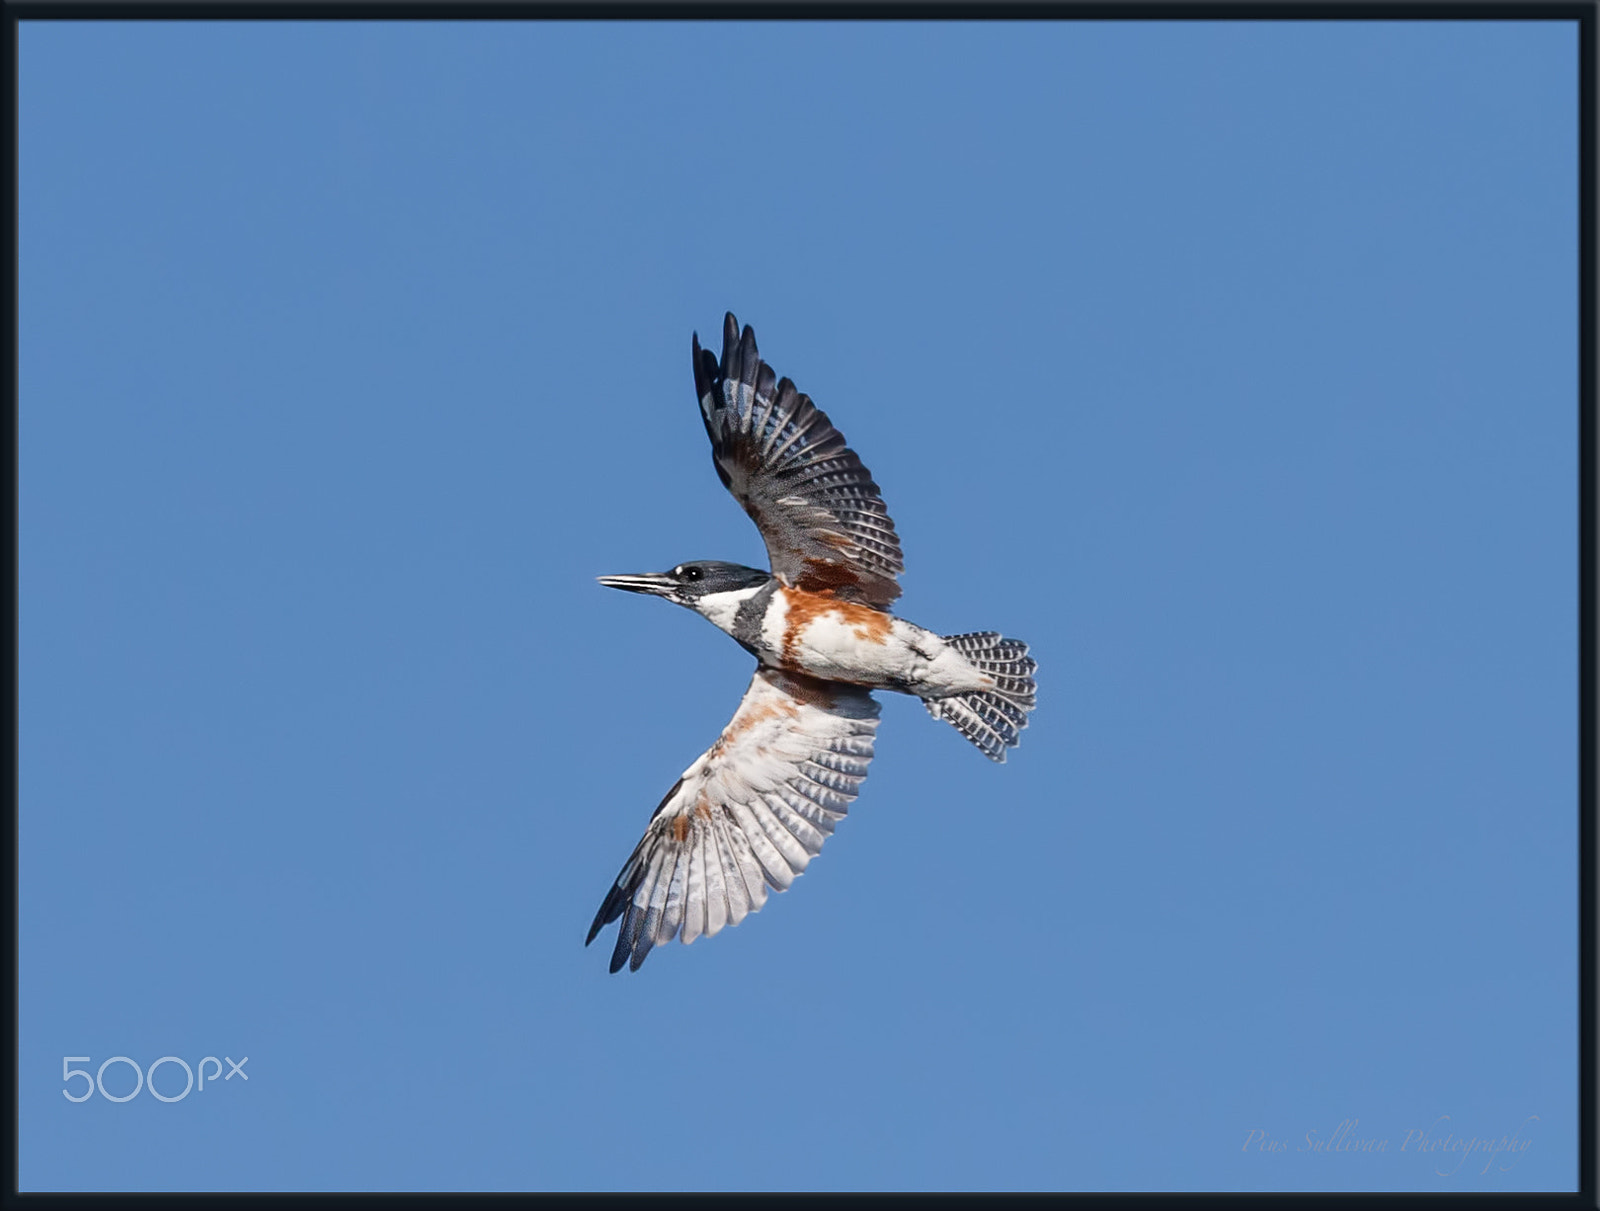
point(690, 572)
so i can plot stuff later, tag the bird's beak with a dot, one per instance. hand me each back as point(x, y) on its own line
point(658, 583)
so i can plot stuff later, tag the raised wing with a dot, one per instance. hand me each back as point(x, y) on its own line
point(818, 511)
point(750, 813)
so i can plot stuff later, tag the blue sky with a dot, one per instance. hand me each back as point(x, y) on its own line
point(1232, 366)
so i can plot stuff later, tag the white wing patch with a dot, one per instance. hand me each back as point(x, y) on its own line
point(750, 813)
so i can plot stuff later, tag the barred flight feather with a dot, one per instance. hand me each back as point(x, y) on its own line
point(819, 512)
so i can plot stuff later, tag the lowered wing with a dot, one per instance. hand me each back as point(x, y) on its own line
point(818, 511)
point(750, 813)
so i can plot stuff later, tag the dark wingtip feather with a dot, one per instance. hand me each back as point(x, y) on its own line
point(635, 939)
point(627, 933)
point(705, 368)
point(610, 910)
point(729, 366)
point(707, 371)
point(640, 953)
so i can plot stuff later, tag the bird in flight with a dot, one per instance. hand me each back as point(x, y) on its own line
point(755, 808)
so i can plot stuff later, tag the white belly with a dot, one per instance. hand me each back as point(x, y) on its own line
point(816, 634)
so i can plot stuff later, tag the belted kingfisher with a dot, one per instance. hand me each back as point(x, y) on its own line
point(755, 808)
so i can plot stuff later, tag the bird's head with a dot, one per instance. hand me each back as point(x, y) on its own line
point(703, 585)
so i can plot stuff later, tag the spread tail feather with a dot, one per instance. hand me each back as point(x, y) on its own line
point(992, 719)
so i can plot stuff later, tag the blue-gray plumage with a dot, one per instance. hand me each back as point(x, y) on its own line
point(752, 810)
